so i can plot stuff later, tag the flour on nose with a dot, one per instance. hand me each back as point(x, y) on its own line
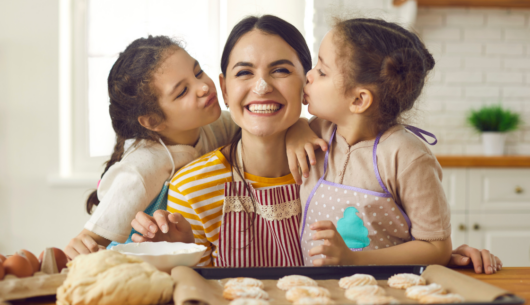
point(261, 87)
point(205, 88)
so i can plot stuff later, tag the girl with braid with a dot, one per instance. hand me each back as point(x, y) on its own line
point(165, 113)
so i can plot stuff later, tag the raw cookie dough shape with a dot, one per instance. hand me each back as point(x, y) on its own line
point(109, 277)
point(358, 279)
point(299, 292)
point(290, 281)
point(417, 292)
point(359, 291)
point(244, 281)
point(405, 280)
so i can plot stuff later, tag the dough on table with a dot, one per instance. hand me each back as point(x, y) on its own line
point(405, 280)
point(441, 298)
point(313, 301)
point(236, 292)
point(299, 292)
point(290, 281)
point(416, 292)
point(355, 292)
point(375, 300)
point(244, 281)
point(358, 279)
point(109, 277)
point(247, 301)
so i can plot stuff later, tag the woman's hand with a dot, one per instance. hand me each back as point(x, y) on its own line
point(301, 143)
point(334, 249)
point(84, 243)
point(162, 226)
point(482, 260)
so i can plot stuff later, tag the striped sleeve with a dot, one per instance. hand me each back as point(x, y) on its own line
point(197, 193)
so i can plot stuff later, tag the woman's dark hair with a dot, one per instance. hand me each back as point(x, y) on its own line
point(274, 26)
point(132, 95)
point(383, 54)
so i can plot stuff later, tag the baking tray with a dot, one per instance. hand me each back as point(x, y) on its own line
point(328, 273)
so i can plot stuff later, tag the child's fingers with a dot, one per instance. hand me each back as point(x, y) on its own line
point(293, 166)
point(302, 161)
point(325, 234)
point(499, 263)
point(310, 151)
point(328, 261)
point(459, 260)
point(486, 258)
point(141, 229)
point(322, 225)
point(137, 238)
point(160, 217)
point(90, 244)
point(146, 222)
point(323, 144)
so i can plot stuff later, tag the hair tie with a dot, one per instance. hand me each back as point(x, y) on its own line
point(97, 187)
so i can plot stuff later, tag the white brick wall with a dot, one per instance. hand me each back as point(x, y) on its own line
point(482, 58)
point(488, 64)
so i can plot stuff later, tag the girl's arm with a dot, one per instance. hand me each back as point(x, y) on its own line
point(301, 142)
point(84, 243)
point(412, 252)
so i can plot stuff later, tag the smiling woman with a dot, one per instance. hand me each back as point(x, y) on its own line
point(240, 200)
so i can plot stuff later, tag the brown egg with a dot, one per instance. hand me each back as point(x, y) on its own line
point(18, 265)
point(2, 258)
point(60, 258)
point(32, 259)
point(2, 271)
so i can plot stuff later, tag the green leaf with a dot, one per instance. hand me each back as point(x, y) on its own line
point(494, 118)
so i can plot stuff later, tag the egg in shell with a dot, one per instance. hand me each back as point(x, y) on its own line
point(32, 259)
point(18, 266)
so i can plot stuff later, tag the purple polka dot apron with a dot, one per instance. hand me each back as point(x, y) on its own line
point(365, 219)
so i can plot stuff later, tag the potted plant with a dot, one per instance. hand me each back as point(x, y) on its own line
point(493, 123)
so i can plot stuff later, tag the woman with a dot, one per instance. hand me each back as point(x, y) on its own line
point(264, 64)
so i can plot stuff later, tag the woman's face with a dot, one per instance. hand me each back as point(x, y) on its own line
point(263, 85)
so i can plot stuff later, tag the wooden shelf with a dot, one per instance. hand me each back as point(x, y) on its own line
point(476, 3)
point(484, 161)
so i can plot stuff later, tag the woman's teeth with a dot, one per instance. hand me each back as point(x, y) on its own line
point(263, 108)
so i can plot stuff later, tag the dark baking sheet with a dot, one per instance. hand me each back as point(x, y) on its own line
point(327, 273)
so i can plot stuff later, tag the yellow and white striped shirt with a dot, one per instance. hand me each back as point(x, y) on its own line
point(197, 192)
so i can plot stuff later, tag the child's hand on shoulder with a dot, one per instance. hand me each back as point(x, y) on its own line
point(301, 143)
point(334, 249)
point(162, 226)
point(482, 260)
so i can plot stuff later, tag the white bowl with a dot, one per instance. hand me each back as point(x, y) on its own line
point(164, 255)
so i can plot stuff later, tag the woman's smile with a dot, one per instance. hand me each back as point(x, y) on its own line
point(264, 108)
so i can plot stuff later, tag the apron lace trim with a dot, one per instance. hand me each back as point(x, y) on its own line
point(280, 211)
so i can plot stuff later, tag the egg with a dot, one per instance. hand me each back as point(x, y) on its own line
point(32, 259)
point(60, 258)
point(2, 258)
point(18, 265)
point(2, 271)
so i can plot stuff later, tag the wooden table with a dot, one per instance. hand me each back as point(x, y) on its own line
point(514, 279)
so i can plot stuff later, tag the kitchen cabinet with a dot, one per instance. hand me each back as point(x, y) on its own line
point(490, 208)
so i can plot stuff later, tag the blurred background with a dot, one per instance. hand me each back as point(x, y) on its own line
point(55, 132)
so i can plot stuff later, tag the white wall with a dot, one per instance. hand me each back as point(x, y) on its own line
point(482, 57)
point(33, 215)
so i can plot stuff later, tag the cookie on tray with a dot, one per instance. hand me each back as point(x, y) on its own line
point(358, 279)
point(405, 280)
point(357, 291)
point(247, 301)
point(299, 292)
point(290, 281)
point(237, 292)
point(376, 300)
point(416, 292)
point(314, 301)
point(244, 281)
point(441, 298)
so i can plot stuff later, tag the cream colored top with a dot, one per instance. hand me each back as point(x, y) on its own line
point(130, 185)
point(407, 167)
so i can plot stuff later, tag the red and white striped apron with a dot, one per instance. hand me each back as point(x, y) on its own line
point(263, 233)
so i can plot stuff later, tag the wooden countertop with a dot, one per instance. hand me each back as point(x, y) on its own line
point(514, 279)
point(484, 161)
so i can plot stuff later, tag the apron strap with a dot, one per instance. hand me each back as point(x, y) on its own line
point(420, 132)
point(170, 158)
point(327, 152)
point(376, 168)
point(239, 156)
